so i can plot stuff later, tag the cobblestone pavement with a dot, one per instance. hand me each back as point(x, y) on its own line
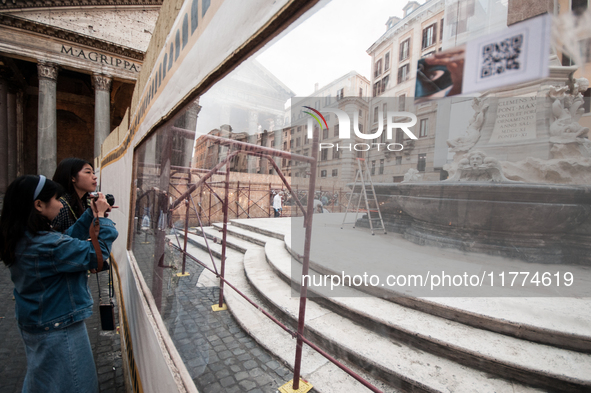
point(219, 355)
point(13, 363)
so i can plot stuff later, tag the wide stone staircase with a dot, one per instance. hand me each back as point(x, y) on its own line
point(400, 344)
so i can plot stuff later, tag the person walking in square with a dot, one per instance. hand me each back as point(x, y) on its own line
point(277, 205)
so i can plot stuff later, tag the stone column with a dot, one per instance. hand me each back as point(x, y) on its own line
point(253, 131)
point(46, 121)
point(187, 121)
point(102, 110)
point(3, 136)
point(20, 133)
point(264, 165)
point(279, 146)
point(253, 162)
point(12, 142)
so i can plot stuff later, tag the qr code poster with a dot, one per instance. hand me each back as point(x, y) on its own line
point(516, 55)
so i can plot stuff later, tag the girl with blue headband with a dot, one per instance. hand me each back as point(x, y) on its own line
point(49, 272)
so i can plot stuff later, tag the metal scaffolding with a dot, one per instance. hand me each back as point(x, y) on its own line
point(186, 199)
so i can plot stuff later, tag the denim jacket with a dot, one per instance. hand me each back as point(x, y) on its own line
point(50, 274)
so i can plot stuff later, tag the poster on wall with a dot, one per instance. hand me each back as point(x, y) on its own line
point(516, 55)
point(440, 75)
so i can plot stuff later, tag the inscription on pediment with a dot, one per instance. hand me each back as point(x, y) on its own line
point(99, 58)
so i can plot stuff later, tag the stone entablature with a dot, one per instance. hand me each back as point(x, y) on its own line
point(55, 32)
point(17, 4)
point(130, 27)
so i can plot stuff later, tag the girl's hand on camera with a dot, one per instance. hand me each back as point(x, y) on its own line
point(100, 205)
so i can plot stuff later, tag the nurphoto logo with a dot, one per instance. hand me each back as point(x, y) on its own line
point(345, 129)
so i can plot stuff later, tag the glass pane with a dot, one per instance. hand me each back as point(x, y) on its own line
point(465, 184)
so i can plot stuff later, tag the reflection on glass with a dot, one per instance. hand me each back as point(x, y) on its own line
point(504, 173)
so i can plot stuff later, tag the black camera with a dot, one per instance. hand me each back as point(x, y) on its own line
point(110, 198)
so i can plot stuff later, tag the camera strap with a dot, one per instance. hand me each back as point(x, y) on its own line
point(109, 286)
point(107, 313)
point(107, 309)
point(93, 231)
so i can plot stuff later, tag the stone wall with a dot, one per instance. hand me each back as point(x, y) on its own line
point(253, 192)
point(250, 195)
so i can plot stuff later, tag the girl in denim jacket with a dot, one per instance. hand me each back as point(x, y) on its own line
point(77, 178)
point(48, 270)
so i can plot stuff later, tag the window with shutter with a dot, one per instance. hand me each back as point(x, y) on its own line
point(404, 49)
point(403, 73)
point(429, 36)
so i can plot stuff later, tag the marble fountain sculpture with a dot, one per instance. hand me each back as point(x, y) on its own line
point(519, 184)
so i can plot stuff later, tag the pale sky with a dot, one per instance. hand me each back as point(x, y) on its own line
point(329, 43)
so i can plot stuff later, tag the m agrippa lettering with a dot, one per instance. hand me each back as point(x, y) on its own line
point(100, 58)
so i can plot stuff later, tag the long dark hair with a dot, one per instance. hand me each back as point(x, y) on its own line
point(19, 214)
point(66, 170)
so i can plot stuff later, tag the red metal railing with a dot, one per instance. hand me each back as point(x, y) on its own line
point(268, 154)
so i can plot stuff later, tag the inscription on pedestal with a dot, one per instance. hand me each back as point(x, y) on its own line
point(515, 120)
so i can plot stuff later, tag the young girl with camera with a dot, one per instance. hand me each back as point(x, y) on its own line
point(49, 272)
point(77, 178)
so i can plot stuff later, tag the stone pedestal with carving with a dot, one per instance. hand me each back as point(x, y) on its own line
point(517, 122)
point(532, 131)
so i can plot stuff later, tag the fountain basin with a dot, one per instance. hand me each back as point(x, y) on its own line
point(534, 222)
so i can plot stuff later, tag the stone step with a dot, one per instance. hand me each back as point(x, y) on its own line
point(271, 227)
point(390, 361)
point(245, 234)
point(508, 316)
point(541, 365)
point(216, 237)
point(345, 343)
point(510, 357)
point(324, 375)
point(388, 358)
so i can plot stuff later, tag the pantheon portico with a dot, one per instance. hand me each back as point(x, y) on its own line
point(67, 74)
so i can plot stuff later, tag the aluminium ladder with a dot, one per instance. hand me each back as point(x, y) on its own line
point(363, 175)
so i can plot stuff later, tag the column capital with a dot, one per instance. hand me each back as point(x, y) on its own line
point(47, 70)
point(101, 82)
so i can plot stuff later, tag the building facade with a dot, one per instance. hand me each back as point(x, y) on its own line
point(418, 34)
point(336, 162)
point(67, 75)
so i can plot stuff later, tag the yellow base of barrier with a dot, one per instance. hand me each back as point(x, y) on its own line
point(183, 275)
point(305, 386)
point(216, 307)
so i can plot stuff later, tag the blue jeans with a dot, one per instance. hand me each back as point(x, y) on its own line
point(60, 361)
